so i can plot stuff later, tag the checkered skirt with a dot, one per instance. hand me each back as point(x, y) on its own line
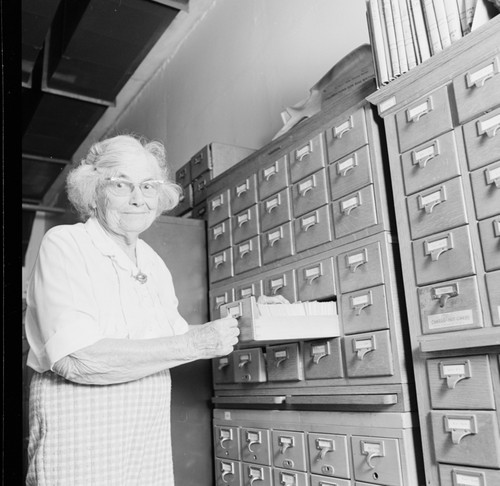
point(92, 435)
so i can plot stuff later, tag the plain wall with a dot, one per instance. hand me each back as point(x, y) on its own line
point(243, 64)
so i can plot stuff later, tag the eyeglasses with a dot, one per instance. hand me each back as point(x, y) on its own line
point(122, 187)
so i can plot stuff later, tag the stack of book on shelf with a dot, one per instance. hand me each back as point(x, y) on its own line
point(283, 322)
point(404, 33)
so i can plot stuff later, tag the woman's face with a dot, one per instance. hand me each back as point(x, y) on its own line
point(130, 214)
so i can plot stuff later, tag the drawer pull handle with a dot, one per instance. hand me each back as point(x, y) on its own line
point(444, 293)
point(437, 247)
point(345, 166)
point(304, 152)
point(273, 203)
point(274, 237)
point(309, 222)
point(223, 363)
point(227, 470)
point(423, 156)
point(430, 200)
point(245, 249)
point(478, 78)
point(489, 127)
point(354, 261)
point(287, 479)
point(324, 446)
point(453, 372)
point(217, 202)
point(220, 301)
point(280, 357)
point(340, 130)
point(242, 189)
point(493, 176)
point(305, 187)
point(218, 231)
point(312, 273)
point(244, 360)
point(255, 474)
point(413, 115)
point(319, 351)
point(201, 185)
point(285, 443)
point(243, 218)
point(360, 302)
point(225, 435)
point(460, 426)
point(197, 159)
point(234, 310)
point(270, 171)
point(363, 346)
point(277, 285)
point(371, 450)
point(347, 205)
point(461, 477)
point(253, 438)
point(219, 260)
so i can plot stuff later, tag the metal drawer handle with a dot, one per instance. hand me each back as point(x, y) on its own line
point(223, 363)
point(197, 159)
point(460, 426)
point(414, 114)
point(426, 154)
point(320, 351)
point(363, 346)
point(324, 446)
point(255, 474)
point(437, 247)
point(245, 249)
point(285, 443)
point(493, 176)
point(354, 261)
point(344, 167)
point(312, 273)
point(225, 435)
point(371, 450)
point(217, 202)
point(478, 78)
point(287, 479)
point(280, 357)
point(360, 302)
point(489, 127)
point(343, 128)
point(304, 152)
point(219, 260)
point(453, 372)
point(309, 222)
point(274, 237)
point(306, 186)
point(430, 200)
point(218, 231)
point(272, 204)
point(270, 171)
point(443, 294)
point(244, 360)
point(227, 470)
point(496, 228)
point(347, 205)
point(253, 438)
point(242, 188)
point(277, 284)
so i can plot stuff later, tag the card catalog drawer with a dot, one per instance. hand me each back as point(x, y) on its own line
point(328, 455)
point(354, 212)
point(183, 175)
point(284, 363)
point(218, 208)
point(323, 359)
point(322, 481)
point(221, 265)
point(290, 478)
point(476, 89)
point(245, 224)
point(289, 450)
point(377, 458)
point(246, 255)
point(467, 476)
point(313, 229)
point(365, 310)
point(348, 134)
point(437, 209)
point(223, 369)
point(219, 237)
point(493, 284)
point(470, 438)
point(309, 193)
point(369, 354)
point(461, 383)
point(249, 366)
point(482, 139)
point(275, 210)
point(273, 177)
point(489, 231)
point(443, 256)
point(450, 306)
point(228, 473)
point(350, 173)
point(277, 243)
point(430, 163)
point(227, 442)
point(316, 280)
point(200, 162)
point(426, 118)
point(281, 284)
point(360, 267)
point(217, 299)
point(185, 201)
point(244, 194)
point(252, 473)
point(307, 158)
point(246, 290)
point(486, 190)
point(256, 446)
point(200, 188)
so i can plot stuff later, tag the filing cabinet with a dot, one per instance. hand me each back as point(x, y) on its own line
point(256, 445)
point(442, 124)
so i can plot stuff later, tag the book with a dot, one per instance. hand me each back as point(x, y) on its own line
point(391, 37)
point(470, 10)
point(407, 34)
point(378, 45)
point(453, 17)
point(400, 40)
point(420, 29)
point(385, 40)
point(432, 27)
point(442, 23)
point(462, 15)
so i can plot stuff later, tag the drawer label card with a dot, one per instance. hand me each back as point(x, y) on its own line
point(348, 205)
point(343, 167)
point(304, 151)
point(218, 231)
point(339, 130)
point(460, 426)
point(480, 76)
point(217, 202)
point(424, 154)
point(489, 126)
point(246, 292)
point(451, 319)
point(468, 478)
point(270, 171)
point(493, 176)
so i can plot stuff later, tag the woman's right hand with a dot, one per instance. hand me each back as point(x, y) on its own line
point(214, 339)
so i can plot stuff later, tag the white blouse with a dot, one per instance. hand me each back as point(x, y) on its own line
point(83, 290)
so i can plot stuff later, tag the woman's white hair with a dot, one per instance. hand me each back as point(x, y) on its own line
point(103, 160)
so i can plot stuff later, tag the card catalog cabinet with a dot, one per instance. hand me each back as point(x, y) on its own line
point(442, 123)
point(308, 218)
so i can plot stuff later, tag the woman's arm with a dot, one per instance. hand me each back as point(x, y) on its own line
point(110, 361)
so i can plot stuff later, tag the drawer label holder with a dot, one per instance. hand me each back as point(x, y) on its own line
point(460, 426)
point(454, 372)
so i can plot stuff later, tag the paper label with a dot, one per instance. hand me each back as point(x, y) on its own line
point(362, 299)
point(227, 467)
point(453, 370)
point(459, 424)
point(342, 128)
point(280, 354)
point(482, 73)
point(494, 174)
point(309, 220)
point(430, 198)
point(450, 319)
point(346, 164)
point(363, 344)
point(245, 247)
point(306, 185)
point(253, 436)
point(437, 245)
point(426, 152)
point(225, 434)
point(371, 448)
point(275, 235)
point(417, 110)
point(255, 473)
point(386, 104)
point(351, 202)
point(463, 480)
point(270, 171)
point(302, 152)
point(312, 272)
point(358, 257)
point(319, 349)
point(246, 292)
point(450, 289)
point(490, 123)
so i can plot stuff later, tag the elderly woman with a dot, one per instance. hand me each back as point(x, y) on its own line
point(104, 329)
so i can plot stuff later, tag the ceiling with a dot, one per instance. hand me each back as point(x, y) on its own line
point(81, 62)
